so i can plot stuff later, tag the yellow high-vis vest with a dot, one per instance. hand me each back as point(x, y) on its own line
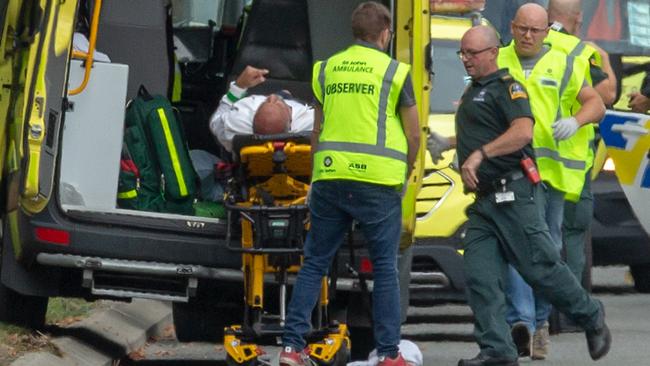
point(553, 86)
point(576, 48)
point(362, 137)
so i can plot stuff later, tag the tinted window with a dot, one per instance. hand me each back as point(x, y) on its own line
point(448, 79)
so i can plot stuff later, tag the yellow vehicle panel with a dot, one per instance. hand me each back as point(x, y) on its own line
point(448, 27)
point(441, 202)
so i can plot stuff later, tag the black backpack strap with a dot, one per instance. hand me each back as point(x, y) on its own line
point(144, 93)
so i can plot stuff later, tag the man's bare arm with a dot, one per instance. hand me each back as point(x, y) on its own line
point(411, 125)
point(592, 109)
point(251, 76)
point(606, 88)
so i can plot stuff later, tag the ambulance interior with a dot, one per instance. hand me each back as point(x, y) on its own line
point(188, 51)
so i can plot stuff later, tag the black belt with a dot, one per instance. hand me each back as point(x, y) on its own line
point(497, 184)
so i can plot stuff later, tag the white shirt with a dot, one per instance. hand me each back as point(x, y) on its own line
point(236, 118)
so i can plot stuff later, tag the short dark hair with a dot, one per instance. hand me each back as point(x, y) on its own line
point(369, 19)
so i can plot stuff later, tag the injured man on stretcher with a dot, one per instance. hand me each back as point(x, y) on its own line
point(239, 114)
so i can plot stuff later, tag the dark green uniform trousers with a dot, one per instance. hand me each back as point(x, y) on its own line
point(516, 233)
point(576, 224)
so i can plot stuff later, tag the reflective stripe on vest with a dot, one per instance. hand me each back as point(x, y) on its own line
point(553, 154)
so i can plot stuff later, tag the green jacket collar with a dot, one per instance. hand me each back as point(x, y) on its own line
point(491, 77)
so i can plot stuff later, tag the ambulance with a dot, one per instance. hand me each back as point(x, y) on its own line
point(68, 70)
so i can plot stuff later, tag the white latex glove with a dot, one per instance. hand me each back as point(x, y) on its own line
point(437, 144)
point(565, 128)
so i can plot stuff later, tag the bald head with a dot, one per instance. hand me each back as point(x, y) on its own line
point(484, 34)
point(479, 51)
point(529, 28)
point(567, 12)
point(272, 117)
point(532, 12)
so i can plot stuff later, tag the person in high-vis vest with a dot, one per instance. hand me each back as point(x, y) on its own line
point(494, 129)
point(565, 19)
point(364, 144)
point(555, 82)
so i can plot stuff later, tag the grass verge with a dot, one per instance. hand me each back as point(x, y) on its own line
point(16, 341)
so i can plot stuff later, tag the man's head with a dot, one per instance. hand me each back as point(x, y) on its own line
point(272, 117)
point(371, 22)
point(529, 28)
point(567, 12)
point(479, 50)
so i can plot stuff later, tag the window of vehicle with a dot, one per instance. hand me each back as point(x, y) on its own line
point(449, 77)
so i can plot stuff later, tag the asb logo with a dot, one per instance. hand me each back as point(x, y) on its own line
point(327, 161)
point(361, 167)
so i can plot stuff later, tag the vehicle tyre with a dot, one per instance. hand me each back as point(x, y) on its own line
point(204, 317)
point(362, 341)
point(23, 310)
point(641, 275)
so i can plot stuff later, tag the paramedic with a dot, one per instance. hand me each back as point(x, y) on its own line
point(494, 129)
point(548, 73)
point(565, 19)
point(364, 146)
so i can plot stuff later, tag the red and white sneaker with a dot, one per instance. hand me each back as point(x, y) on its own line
point(290, 357)
point(398, 361)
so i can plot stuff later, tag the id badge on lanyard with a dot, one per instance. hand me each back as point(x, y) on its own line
point(504, 196)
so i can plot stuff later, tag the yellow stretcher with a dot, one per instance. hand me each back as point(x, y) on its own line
point(267, 196)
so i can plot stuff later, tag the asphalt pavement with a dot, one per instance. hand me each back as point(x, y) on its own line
point(443, 333)
point(627, 316)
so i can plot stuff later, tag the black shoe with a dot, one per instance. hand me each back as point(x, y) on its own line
point(599, 340)
point(521, 337)
point(483, 360)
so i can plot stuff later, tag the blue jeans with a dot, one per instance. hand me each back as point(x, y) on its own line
point(333, 205)
point(524, 304)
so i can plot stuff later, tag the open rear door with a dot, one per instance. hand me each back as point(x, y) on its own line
point(45, 67)
point(413, 35)
point(36, 41)
point(627, 136)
